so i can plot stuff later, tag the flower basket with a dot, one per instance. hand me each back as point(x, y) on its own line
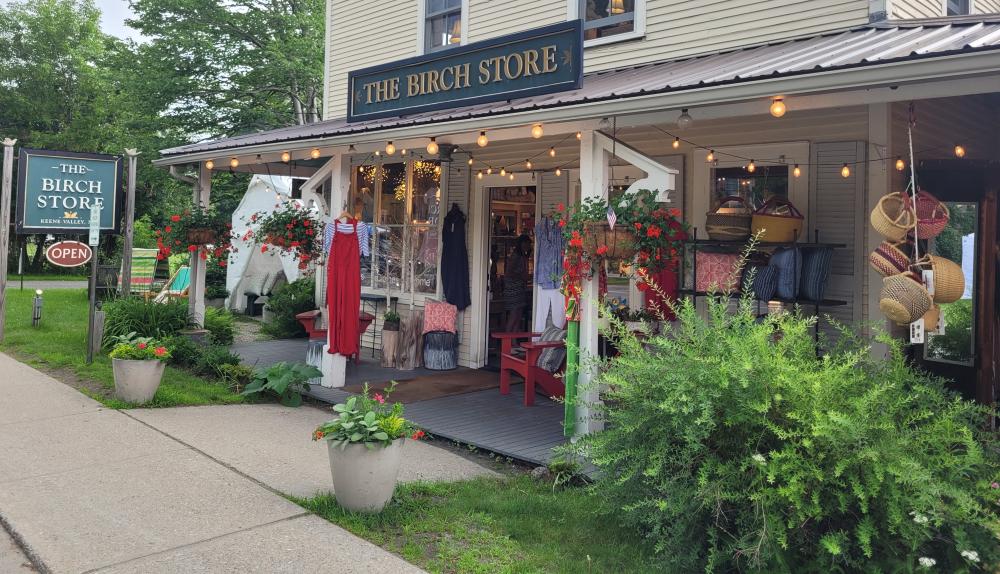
point(198, 231)
point(201, 236)
point(888, 259)
point(904, 299)
point(619, 240)
point(949, 281)
point(731, 221)
point(292, 228)
point(932, 216)
point(893, 216)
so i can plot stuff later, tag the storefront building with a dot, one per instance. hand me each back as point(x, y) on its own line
point(820, 98)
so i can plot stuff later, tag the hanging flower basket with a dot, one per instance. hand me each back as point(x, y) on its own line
point(290, 228)
point(199, 231)
point(618, 242)
point(201, 236)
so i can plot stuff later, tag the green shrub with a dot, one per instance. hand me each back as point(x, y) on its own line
point(236, 377)
point(287, 381)
point(183, 351)
point(216, 292)
point(212, 360)
point(220, 325)
point(286, 302)
point(145, 318)
point(735, 448)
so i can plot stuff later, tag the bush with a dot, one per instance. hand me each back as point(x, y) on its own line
point(216, 292)
point(286, 302)
point(220, 325)
point(236, 377)
point(145, 319)
point(183, 351)
point(212, 360)
point(733, 447)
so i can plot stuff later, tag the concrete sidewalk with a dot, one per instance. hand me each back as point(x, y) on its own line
point(87, 489)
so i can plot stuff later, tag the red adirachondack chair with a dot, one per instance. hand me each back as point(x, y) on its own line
point(526, 365)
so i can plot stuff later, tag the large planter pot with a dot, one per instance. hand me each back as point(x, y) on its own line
point(137, 381)
point(364, 479)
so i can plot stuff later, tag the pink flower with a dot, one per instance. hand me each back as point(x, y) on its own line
point(995, 485)
point(379, 399)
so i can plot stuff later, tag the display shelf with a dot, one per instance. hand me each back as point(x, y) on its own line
point(804, 302)
point(761, 244)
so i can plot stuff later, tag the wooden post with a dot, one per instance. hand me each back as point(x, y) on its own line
point(5, 194)
point(196, 293)
point(126, 278)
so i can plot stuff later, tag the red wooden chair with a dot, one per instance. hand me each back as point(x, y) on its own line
point(309, 320)
point(526, 365)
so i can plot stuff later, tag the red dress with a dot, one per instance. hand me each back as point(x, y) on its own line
point(343, 290)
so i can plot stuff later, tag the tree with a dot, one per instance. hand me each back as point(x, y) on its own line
point(234, 65)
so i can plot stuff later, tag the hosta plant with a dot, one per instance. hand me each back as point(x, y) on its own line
point(368, 420)
point(286, 380)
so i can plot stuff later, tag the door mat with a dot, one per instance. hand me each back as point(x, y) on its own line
point(426, 387)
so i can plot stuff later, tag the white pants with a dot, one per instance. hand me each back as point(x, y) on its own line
point(550, 301)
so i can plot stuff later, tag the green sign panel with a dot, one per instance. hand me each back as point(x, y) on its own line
point(56, 191)
point(539, 61)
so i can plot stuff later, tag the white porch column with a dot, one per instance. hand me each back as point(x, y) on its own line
point(594, 159)
point(879, 184)
point(335, 366)
point(196, 293)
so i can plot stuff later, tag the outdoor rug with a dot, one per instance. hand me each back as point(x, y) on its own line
point(426, 387)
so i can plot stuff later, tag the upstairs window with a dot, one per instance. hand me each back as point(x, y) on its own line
point(957, 7)
point(442, 24)
point(607, 18)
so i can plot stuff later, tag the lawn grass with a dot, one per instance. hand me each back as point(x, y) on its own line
point(495, 525)
point(59, 346)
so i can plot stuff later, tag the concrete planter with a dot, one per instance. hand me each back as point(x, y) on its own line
point(364, 479)
point(137, 381)
point(218, 303)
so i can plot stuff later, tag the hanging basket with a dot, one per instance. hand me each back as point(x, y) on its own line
point(932, 216)
point(949, 281)
point(731, 221)
point(893, 216)
point(888, 259)
point(778, 221)
point(620, 240)
point(903, 298)
point(201, 236)
point(932, 318)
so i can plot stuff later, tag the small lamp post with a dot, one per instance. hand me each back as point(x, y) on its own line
point(36, 308)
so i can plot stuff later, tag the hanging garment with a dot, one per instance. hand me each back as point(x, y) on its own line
point(549, 246)
point(550, 301)
point(343, 287)
point(455, 259)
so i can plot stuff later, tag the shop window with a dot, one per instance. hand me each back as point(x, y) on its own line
point(958, 7)
point(765, 182)
point(957, 243)
point(442, 24)
point(611, 19)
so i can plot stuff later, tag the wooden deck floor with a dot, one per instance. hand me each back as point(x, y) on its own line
point(486, 420)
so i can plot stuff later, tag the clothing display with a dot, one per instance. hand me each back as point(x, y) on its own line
point(515, 287)
point(455, 260)
point(363, 234)
point(343, 287)
point(551, 302)
point(549, 247)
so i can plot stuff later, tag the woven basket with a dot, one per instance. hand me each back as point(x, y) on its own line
point(949, 281)
point(619, 240)
point(903, 298)
point(778, 220)
point(893, 216)
point(888, 259)
point(931, 318)
point(729, 223)
point(932, 216)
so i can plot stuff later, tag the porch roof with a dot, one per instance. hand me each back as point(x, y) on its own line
point(828, 55)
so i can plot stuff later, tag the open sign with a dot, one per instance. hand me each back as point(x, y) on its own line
point(69, 253)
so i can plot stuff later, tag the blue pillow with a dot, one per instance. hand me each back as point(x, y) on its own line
point(789, 264)
point(815, 272)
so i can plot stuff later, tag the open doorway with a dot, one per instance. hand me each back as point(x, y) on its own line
point(510, 256)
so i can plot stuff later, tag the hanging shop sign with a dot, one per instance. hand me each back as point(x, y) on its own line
point(539, 61)
point(68, 253)
point(56, 191)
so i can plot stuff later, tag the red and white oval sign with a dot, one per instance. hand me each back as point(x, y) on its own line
point(68, 253)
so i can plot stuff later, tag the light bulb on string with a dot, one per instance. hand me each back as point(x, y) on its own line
point(778, 108)
point(481, 141)
point(479, 174)
point(579, 135)
point(710, 156)
point(527, 164)
point(314, 153)
point(684, 120)
point(402, 151)
point(432, 147)
point(900, 164)
point(286, 156)
point(378, 153)
point(437, 170)
point(959, 150)
point(845, 171)
point(552, 152)
point(489, 170)
point(512, 177)
point(558, 172)
point(210, 165)
point(796, 171)
point(537, 131)
point(677, 143)
point(351, 149)
point(470, 160)
point(234, 163)
point(361, 169)
point(390, 149)
point(503, 171)
point(751, 167)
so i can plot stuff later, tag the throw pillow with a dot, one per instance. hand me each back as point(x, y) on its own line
point(815, 272)
point(439, 317)
point(552, 359)
point(789, 264)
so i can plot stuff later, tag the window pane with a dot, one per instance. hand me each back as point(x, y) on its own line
point(362, 203)
point(435, 6)
point(957, 7)
point(423, 251)
point(388, 258)
point(426, 199)
point(443, 31)
point(757, 187)
point(604, 18)
point(392, 209)
point(957, 243)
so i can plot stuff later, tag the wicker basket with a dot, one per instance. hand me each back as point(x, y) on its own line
point(893, 216)
point(949, 281)
point(729, 222)
point(619, 240)
point(778, 220)
point(201, 236)
point(932, 318)
point(903, 298)
point(888, 259)
point(932, 216)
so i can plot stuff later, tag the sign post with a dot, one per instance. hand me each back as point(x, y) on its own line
point(126, 278)
point(8, 169)
point(93, 241)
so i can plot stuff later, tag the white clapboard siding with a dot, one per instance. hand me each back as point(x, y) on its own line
point(904, 9)
point(986, 7)
point(837, 212)
point(555, 190)
point(456, 190)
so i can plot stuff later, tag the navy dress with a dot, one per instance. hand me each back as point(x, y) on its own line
point(455, 259)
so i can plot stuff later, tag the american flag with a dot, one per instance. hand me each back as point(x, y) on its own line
point(612, 217)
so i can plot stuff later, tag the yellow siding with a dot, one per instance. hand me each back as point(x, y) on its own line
point(986, 7)
point(904, 9)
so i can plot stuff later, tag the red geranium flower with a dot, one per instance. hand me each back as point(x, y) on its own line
point(192, 248)
point(307, 222)
point(638, 226)
point(562, 223)
point(561, 207)
point(418, 435)
point(602, 249)
point(289, 226)
point(160, 351)
point(168, 229)
point(222, 263)
point(263, 248)
point(141, 346)
point(175, 218)
point(309, 232)
point(653, 231)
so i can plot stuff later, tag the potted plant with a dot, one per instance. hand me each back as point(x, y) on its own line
point(390, 321)
point(215, 296)
point(138, 365)
point(291, 228)
point(365, 444)
point(197, 230)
